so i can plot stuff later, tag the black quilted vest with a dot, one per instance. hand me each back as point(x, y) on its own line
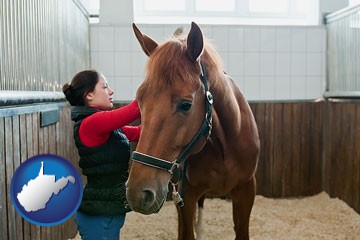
point(106, 169)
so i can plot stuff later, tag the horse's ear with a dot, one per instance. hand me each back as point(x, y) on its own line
point(195, 42)
point(147, 44)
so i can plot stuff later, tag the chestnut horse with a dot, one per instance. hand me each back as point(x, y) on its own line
point(185, 89)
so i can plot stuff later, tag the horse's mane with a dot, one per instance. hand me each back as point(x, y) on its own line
point(170, 62)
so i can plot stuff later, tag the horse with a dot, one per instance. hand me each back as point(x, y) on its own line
point(198, 134)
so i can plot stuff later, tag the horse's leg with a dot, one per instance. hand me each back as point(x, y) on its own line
point(186, 216)
point(199, 228)
point(243, 199)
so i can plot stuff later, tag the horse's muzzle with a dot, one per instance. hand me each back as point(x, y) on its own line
point(145, 201)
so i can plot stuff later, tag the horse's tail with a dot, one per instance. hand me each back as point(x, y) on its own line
point(199, 229)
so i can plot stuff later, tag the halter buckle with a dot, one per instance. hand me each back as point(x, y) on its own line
point(174, 166)
point(209, 97)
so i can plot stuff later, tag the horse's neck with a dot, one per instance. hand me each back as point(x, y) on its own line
point(228, 101)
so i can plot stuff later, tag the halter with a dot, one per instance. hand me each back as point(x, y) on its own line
point(204, 131)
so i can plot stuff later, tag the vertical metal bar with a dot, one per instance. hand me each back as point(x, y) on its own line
point(42, 43)
point(36, 16)
point(51, 44)
point(330, 47)
point(347, 52)
point(40, 47)
point(344, 75)
point(49, 53)
point(33, 33)
point(6, 42)
point(342, 62)
point(24, 52)
point(16, 45)
point(356, 51)
point(34, 59)
point(56, 43)
point(9, 46)
point(345, 56)
point(20, 40)
point(12, 45)
point(28, 44)
point(46, 31)
point(1, 45)
point(351, 52)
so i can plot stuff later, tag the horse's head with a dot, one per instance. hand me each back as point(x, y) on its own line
point(171, 99)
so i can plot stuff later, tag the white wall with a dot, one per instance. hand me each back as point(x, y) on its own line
point(116, 11)
point(329, 6)
point(268, 63)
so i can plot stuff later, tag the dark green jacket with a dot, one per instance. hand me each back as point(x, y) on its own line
point(106, 169)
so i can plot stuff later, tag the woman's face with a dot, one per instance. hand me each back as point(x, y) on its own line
point(102, 96)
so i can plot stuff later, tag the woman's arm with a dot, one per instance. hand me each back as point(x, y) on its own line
point(132, 132)
point(96, 128)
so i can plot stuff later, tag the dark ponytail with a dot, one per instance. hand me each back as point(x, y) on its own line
point(81, 84)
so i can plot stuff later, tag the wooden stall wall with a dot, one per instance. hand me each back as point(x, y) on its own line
point(21, 137)
point(342, 155)
point(306, 148)
point(291, 135)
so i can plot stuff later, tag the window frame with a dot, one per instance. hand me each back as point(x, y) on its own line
point(240, 15)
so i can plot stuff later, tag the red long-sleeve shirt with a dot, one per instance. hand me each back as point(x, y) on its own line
point(95, 129)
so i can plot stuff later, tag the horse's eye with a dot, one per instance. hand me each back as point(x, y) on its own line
point(184, 106)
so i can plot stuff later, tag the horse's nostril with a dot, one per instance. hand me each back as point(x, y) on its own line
point(149, 198)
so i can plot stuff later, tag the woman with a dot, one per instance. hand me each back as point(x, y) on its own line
point(102, 138)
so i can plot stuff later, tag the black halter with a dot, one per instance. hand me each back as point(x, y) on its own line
point(204, 131)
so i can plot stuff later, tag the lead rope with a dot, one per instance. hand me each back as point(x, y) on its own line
point(176, 196)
